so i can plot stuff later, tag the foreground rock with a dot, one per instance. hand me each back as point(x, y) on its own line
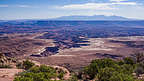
point(8, 74)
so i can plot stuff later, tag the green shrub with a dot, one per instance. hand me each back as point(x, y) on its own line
point(44, 68)
point(121, 77)
point(127, 69)
point(38, 73)
point(23, 79)
point(73, 78)
point(35, 69)
point(96, 66)
point(102, 63)
point(105, 74)
point(129, 60)
point(108, 69)
point(121, 62)
point(25, 65)
point(91, 70)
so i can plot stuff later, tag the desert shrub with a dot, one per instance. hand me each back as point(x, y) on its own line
point(25, 65)
point(44, 68)
point(96, 66)
point(121, 77)
point(121, 62)
point(110, 70)
point(102, 63)
point(39, 73)
point(61, 73)
point(105, 74)
point(23, 79)
point(73, 78)
point(129, 60)
point(34, 69)
point(99, 70)
point(50, 75)
point(110, 74)
point(127, 69)
point(91, 70)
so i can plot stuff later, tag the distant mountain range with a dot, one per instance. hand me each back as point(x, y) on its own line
point(95, 17)
point(82, 18)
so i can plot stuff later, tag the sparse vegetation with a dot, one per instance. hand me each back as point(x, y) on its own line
point(99, 70)
point(73, 78)
point(40, 73)
point(5, 62)
point(25, 65)
point(111, 70)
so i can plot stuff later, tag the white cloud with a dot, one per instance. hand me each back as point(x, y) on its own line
point(97, 6)
point(91, 13)
point(125, 3)
point(4, 6)
point(122, 2)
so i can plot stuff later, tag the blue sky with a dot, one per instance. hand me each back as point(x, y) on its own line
point(44, 9)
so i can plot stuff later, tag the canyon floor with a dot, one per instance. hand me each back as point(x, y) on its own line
point(22, 46)
point(76, 58)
